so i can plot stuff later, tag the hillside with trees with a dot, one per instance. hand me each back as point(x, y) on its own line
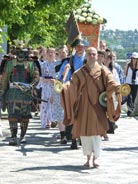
point(123, 42)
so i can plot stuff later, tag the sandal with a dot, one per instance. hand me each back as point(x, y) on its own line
point(87, 165)
point(96, 165)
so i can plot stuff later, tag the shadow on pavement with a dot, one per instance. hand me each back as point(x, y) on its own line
point(39, 142)
point(132, 149)
point(78, 169)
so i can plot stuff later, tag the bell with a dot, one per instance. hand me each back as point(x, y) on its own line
point(58, 86)
point(103, 99)
point(124, 89)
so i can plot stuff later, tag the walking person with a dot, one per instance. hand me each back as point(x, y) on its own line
point(62, 55)
point(109, 63)
point(131, 78)
point(51, 113)
point(71, 64)
point(118, 67)
point(135, 112)
point(17, 72)
point(48, 73)
point(80, 99)
point(101, 57)
point(2, 66)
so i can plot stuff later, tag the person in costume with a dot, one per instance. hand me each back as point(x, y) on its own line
point(50, 112)
point(71, 64)
point(20, 77)
point(2, 65)
point(34, 57)
point(80, 100)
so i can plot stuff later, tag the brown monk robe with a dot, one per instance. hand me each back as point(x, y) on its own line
point(80, 100)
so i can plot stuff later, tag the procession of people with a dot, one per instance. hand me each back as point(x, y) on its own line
point(83, 76)
point(78, 88)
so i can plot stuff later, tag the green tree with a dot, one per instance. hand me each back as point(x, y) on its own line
point(40, 21)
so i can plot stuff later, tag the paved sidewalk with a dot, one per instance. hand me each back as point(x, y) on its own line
point(44, 161)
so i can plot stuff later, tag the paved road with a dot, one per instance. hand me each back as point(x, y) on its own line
point(44, 161)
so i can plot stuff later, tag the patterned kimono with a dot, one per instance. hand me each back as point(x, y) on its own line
point(50, 111)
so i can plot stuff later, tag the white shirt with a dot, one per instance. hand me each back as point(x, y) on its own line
point(128, 79)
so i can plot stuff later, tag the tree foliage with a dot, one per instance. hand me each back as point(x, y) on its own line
point(40, 21)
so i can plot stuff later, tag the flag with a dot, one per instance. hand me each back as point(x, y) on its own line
point(72, 29)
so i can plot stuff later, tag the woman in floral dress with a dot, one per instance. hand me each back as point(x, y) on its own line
point(52, 110)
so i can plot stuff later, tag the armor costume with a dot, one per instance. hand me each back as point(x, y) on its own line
point(18, 102)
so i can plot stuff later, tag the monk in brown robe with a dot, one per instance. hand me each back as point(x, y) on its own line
point(80, 100)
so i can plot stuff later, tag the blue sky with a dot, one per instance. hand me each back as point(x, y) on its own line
point(120, 14)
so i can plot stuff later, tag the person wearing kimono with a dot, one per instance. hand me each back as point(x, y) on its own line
point(80, 100)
